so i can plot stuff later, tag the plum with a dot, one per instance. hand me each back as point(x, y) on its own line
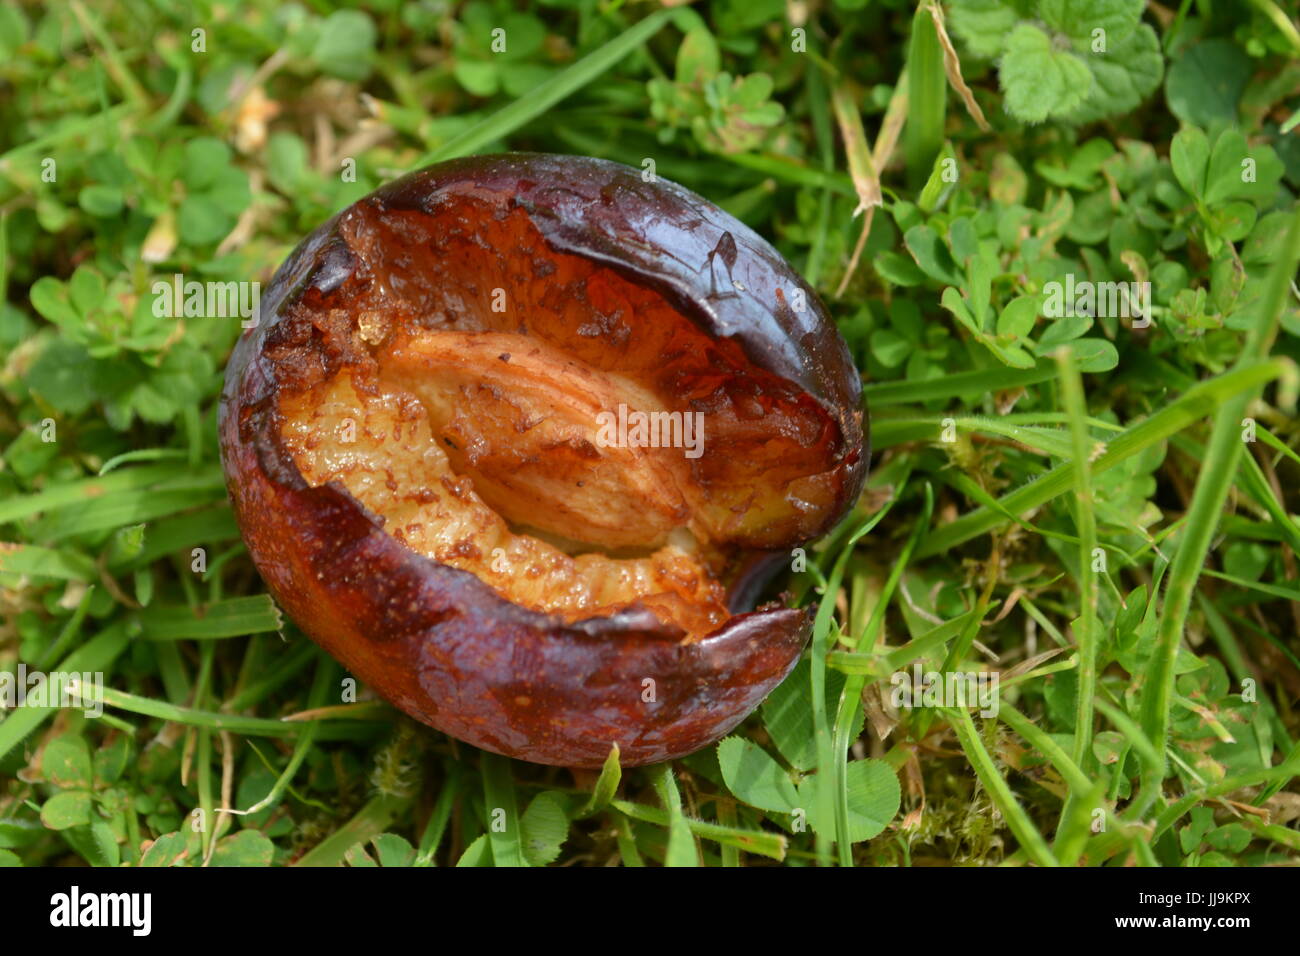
point(518, 438)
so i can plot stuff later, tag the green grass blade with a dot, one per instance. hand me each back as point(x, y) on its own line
point(233, 617)
point(252, 726)
point(960, 385)
point(86, 490)
point(851, 695)
point(528, 108)
point(370, 821)
point(95, 655)
point(760, 842)
point(1200, 400)
point(681, 845)
point(826, 758)
point(1030, 839)
point(927, 98)
point(1086, 630)
point(1212, 486)
point(606, 785)
point(505, 831)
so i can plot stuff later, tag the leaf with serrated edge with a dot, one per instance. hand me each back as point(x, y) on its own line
point(1125, 75)
point(1039, 80)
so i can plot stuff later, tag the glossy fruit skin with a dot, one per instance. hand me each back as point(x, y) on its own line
point(437, 642)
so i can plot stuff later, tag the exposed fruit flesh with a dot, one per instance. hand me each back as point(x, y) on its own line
point(475, 429)
point(768, 473)
point(381, 448)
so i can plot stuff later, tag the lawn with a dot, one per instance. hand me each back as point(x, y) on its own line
point(1061, 241)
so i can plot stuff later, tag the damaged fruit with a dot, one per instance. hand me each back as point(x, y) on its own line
point(519, 438)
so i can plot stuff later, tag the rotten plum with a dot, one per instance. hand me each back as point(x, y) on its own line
point(516, 437)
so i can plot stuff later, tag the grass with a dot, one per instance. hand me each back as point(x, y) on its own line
point(1099, 512)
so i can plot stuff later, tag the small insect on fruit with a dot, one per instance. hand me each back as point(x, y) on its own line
point(517, 439)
